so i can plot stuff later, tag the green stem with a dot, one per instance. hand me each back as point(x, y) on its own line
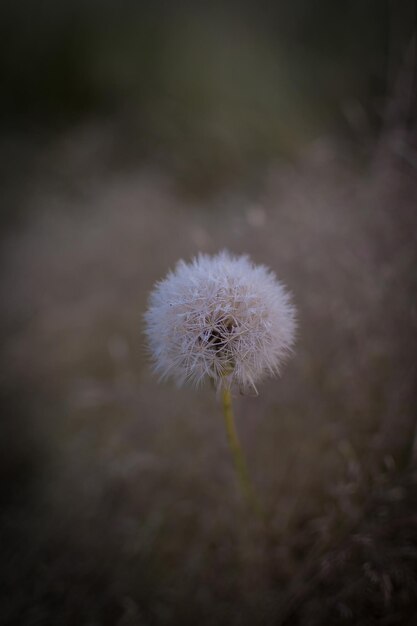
point(237, 454)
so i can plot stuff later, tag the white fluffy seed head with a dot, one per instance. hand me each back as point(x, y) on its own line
point(221, 318)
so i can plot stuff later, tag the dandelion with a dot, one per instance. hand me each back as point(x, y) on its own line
point(221, 318)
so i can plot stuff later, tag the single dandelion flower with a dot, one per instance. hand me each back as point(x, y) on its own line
point(220, 318)
point(224, 319)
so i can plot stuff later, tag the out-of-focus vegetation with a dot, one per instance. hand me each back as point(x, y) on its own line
point(210, 91)
point(134, 134)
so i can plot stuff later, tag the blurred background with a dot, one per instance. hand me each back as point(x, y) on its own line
point(133, 134)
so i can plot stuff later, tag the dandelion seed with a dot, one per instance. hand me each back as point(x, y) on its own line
point(220, 318)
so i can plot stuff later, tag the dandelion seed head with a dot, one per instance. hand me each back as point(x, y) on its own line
point(221, 318)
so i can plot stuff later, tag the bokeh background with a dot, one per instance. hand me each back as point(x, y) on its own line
point(133, 134)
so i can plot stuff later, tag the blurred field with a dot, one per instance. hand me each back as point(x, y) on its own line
point(119, 501)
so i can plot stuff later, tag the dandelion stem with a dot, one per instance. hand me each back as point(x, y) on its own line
point(237, 454)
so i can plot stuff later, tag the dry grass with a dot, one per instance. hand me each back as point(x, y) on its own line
point(120, 502)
